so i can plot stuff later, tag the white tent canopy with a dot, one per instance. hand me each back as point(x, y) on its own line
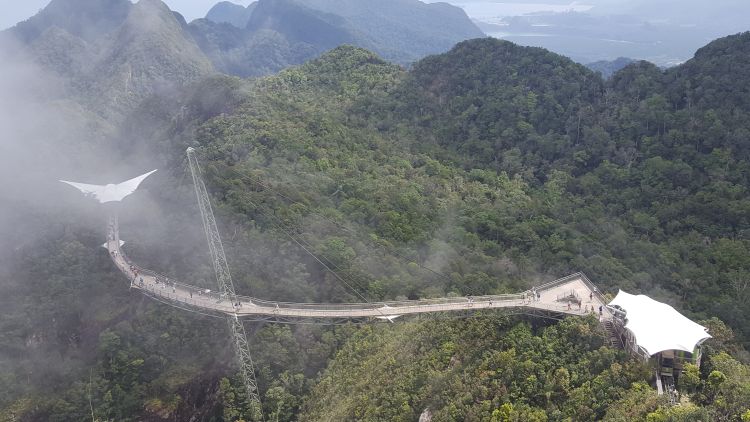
point(658, 326)
point(111, 192)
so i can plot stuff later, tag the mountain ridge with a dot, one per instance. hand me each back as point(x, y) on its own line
point(257, 40)
point(280, 33)
point(231, 13)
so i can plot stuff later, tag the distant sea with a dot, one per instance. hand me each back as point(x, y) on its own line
point(586, 50)
point(660, 44)
point(492, 12)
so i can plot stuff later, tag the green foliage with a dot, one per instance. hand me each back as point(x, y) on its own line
point(726, 390)
point(513, 156)
point(478, 369)
point(690, 378)
point(493, 164)
point(687, 413)
point(640, 400)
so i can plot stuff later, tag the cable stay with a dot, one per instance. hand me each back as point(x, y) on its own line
point(388, 251)
point(331, 267)
point(307, 248)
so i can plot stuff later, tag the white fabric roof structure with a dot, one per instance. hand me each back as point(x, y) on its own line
point(658, 326)
point(106, 246)
point(110, 192)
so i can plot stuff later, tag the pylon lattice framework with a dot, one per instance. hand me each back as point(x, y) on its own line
point(224, 281)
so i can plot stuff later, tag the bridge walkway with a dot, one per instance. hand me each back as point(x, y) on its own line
point(545, 298)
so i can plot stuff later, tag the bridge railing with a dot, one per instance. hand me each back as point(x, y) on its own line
point(559, 281)
point(578, 275)
point(200, 295)
point(200, 292)
point(383, 305)
point(171, 283)
point(593, 288)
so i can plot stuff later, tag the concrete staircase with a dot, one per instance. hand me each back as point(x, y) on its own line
point(670, 389)
point(612, 338)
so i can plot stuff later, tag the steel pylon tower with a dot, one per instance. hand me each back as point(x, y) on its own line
point(226, 288)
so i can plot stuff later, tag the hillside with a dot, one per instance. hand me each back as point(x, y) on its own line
point(578, 182)
point(579, 174)
point(494, 165)
point(470, 371)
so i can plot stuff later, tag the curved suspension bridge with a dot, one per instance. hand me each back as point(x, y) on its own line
point(573, 295)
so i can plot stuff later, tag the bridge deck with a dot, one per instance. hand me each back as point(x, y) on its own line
point(574, 295)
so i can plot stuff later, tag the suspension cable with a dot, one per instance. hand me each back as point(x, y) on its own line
point(388, 251)
point(306, 247)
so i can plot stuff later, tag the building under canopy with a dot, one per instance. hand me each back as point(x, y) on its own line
point(657, 326)
point(657, 332)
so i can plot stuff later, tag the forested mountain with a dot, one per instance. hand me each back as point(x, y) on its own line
point(495, 165)
point(112, 54)
point(231, 13)
point(403, 30)
point(608, 67)
point(280, 33)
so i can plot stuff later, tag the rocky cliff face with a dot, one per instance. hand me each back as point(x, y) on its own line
point(150, 51)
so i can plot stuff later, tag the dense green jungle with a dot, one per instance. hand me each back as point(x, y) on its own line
point(496, 166)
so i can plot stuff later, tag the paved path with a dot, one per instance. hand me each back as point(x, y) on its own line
point(559, 296)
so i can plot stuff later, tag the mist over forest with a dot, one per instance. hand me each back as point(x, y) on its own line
point(361, 152)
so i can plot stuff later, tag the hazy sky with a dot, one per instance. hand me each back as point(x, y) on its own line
point(14, 11)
